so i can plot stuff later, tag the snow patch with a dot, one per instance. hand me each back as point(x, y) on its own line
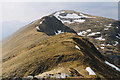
point(37, 27)
point(94, 33)
point(73, 15)
point(109, 45)
point(70, 22)
point(67, 22)
point(91, 72)
point(58, 32)
point(77, 47)
point(97, 48)
point(116, 27)
point(57, 15)
point(112, 65)
point(79, 20)
point(89, 30)
point(62, 12)
point(29, 77)
point(56, 75)
point(118, 37)
point(118, 34)
point(84, 16)
point(109, 25)
point(100, 38)
point(116, 43)
point(82, 33)
point(102, 44)
point(42, 21)
point(102, 47)
point(105, 34)
point(63, 75)
point(106, 28)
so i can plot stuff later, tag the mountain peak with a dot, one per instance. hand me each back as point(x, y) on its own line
point(51, 26)
point(69, 16)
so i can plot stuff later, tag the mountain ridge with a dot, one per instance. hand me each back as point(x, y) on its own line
point(53, 43)
point(102, 32)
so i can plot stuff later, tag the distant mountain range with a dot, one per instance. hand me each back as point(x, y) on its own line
point(65, 44)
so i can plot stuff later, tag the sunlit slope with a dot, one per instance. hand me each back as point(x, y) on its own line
point(22, 40)
point(56, 52)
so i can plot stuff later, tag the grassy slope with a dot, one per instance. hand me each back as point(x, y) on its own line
point(22, 40)
point(29, 52)
point(58, 51)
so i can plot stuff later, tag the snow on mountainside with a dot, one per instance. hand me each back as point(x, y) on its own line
point(65, 44)
point(112, 66)
point(52, 26)
point(91, 72)
point(70, 17)
point(98, 30)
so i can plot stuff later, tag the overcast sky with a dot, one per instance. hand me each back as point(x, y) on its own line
point(17, 14)
point(59, 0)
point(32, 10)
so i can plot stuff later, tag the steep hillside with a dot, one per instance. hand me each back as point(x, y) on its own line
point(104, 33)
point(22, 40)
point(57, 46)
point(64, 53)
point(28, 36)
point(52, 26)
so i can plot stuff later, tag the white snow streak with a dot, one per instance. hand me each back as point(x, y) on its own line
point(67, 22)
point(79, 20)
point(29, 77)
point(91, 72)
point(73, 15)
point(94, 33)
point(100, 38)
point(77, 47)
point(112, 65)
point(102, 47)
point(118, 37)
point(106, 28)
point(102, 44)
point(82, 33)
point(118, 34)
point(58, 32)
point(117, 27)
point(89, 30)
point(37, 27)
point(84, 16)
point(116, 43)
point(109, 45)
point(109, 25)
point(42, 21)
